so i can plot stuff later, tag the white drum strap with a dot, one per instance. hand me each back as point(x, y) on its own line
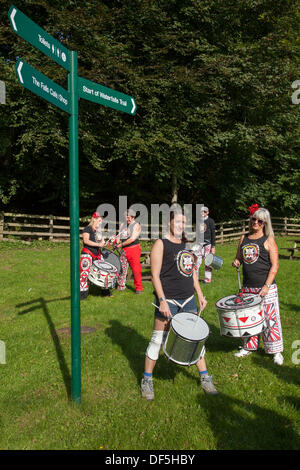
point(175, 302)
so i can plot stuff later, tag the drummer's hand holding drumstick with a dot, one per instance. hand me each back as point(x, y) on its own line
point(164, 309)
point(202, 304)
point(236, 263)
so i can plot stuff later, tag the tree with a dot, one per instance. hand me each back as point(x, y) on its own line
point(212, 81)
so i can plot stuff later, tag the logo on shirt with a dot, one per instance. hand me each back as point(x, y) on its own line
point(185, 263)
point(250, 253)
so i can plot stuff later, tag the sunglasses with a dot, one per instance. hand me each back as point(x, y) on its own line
point(253, 220)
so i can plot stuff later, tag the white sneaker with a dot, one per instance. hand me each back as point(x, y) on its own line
point(242, 352)
point(278, 359)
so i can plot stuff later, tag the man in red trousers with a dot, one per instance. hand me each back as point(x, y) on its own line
point(131, 252)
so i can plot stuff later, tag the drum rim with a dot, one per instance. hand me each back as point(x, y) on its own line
point(183, 337)
point(237, 307)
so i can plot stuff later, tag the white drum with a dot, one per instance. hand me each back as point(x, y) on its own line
point(184, 344)
point(241, 316)
point(103, 274)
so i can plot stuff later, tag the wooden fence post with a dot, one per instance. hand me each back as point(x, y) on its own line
point(285, 226)
point(51, 227)
point(1, 225)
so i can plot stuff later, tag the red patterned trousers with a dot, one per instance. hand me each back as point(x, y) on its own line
point(272, 335)
point(131, 257)
point(86, 261)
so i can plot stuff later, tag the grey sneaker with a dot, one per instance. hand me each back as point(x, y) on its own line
point(208, 385)
point(147, 389)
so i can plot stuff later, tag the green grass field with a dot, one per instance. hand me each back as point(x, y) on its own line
point(258, 402)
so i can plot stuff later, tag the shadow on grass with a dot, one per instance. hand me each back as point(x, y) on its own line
point(218, 343)
point(134, 346)
point(240, 425)
point(39, 304)
point(294, 307)
point(284, 373)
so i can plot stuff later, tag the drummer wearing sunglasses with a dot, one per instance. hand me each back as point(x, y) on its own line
point(175, 282)
point(258, 254)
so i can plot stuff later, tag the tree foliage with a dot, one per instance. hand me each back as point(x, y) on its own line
point(215, 122)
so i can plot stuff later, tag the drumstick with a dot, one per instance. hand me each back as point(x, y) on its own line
point(239, 281)
point(173, 317)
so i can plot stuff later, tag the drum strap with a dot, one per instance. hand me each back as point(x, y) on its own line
point(86, 250)
point(175, 302)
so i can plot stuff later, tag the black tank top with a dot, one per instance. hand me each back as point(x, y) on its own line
point(128, 234)
point(92, 233)
point(256, 262)
point(177, 271)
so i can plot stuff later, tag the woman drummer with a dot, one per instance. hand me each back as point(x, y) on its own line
point(90, 251)
point(175, 280)
point(257, 252)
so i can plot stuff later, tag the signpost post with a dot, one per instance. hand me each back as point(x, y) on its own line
point(78, 87)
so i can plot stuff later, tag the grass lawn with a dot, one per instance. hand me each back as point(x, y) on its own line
point(258, 402)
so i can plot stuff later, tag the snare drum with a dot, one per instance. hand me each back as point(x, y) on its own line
point(213, 261)
point(184, 343)
point(241, 316)
point(103, 274)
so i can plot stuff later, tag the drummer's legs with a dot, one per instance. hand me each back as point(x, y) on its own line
point(85, 266)
point(201, 365)
point(206, 380)
point(159, 327)
point(152, 354)
point(208, 269)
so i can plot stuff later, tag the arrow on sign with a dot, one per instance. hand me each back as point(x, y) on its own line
point(41, 85)
point(12, 19)
point(38, 37)
point(106, 96)
point(133, 106)
point(19, 72)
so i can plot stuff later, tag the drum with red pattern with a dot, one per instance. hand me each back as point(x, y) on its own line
point(241, 315)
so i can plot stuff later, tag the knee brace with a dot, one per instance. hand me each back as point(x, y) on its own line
point(155, 343)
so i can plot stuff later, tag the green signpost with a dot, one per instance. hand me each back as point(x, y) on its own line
point(106, 96)
point(41, 85)
point(37, 37)
point(78, 87)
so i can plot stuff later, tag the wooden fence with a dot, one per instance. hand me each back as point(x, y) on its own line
point(27, 227)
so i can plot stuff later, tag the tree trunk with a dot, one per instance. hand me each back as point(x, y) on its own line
point(174, 189)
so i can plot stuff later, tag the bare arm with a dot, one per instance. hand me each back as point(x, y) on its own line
point(238, 256)
point(87, 241)
point(156, 257)
point(201, 299)
point(271, 247)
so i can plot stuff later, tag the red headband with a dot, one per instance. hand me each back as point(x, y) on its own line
point(95, 215)
point(253, 208)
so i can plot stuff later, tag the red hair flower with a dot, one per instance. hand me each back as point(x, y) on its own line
point(253, 208)
point(95, 215)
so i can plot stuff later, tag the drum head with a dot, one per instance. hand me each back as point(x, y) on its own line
point(236, 302)
point(104, 266)
point(110, 257)
point(190, 326)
